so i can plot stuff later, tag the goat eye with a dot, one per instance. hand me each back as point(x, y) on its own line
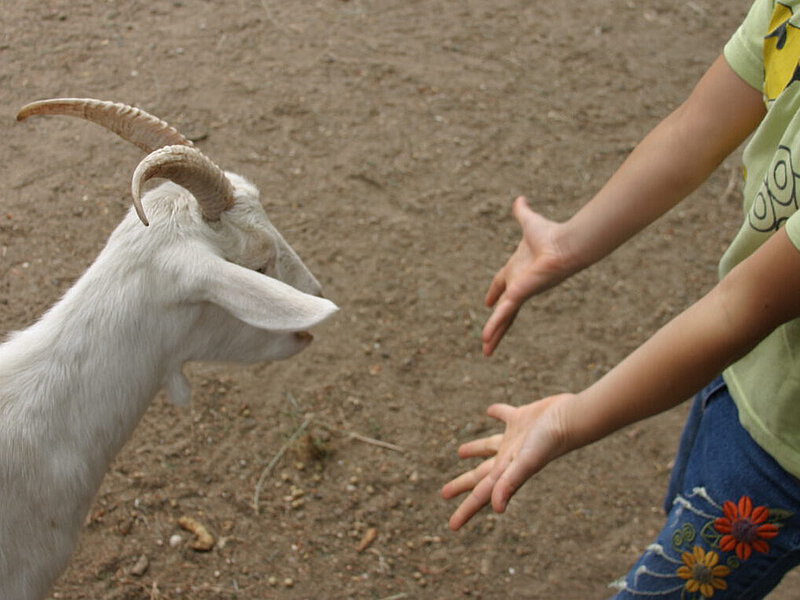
point(266, 268)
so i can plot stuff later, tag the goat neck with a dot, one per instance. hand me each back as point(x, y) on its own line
point(74, 385)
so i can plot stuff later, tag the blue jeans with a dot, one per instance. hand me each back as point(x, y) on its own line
point(733, 515)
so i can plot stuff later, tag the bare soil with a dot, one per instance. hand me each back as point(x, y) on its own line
point(388, 139)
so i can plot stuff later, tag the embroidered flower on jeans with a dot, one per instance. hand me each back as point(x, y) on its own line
point(702, 572)
point(745, 528)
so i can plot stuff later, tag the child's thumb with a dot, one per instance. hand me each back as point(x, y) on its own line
point(529, 220)
point(521, 209)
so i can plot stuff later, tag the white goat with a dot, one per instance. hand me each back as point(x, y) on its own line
point(209, 279)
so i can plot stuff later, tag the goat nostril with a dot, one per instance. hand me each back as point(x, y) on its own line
point(304, 336)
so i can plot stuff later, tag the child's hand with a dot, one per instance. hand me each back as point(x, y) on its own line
point(533, 437)
point(536, 265)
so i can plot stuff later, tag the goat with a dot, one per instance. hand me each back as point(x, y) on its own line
point(209, 279)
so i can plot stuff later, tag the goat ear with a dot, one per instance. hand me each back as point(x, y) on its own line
point(262, 301)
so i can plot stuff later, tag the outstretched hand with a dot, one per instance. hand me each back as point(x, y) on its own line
point(537, 264)
point(532, 438)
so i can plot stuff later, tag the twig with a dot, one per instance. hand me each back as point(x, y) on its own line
point(363, 438)
point(373, 441)
point(278, 457)
point(293, 401)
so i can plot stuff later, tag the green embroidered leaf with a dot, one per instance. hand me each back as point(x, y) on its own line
point(711, 535)
point(778, 515)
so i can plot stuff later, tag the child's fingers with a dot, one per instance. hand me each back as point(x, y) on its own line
point(504, 311)
point(493, 340)
point(496, 288)
point(483, 447)
point(467, 481)
point(525, 465)
point(498, 323)
point(501, 411)
point(521, 209)
point(479, 498)
point(503, 490)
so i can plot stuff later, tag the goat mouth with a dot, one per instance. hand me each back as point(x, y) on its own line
point(304, 336)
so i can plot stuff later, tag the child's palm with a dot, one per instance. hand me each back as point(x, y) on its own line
point(535, 266)
point(533, 437)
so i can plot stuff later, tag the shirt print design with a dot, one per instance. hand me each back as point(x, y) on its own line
point(777, 200)
point(781, 51)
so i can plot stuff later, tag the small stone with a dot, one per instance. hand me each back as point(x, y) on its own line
point(141, 566)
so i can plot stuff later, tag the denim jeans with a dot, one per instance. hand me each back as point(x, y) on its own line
point(733, 515)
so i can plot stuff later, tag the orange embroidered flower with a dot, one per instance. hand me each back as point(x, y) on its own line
point(745, 528)
point(702, 572)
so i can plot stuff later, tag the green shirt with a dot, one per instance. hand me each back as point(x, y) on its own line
point(765, 384)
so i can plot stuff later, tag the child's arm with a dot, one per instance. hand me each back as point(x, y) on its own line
point(676, 157)
point(762, 292)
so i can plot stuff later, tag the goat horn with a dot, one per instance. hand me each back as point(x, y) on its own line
point(191, 169)
point(132, 124)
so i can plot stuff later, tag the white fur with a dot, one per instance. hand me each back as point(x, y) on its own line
point(74, 385)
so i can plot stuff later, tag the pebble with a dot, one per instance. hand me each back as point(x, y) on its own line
point(141, 566)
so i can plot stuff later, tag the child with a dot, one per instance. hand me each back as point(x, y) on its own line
point(733, 526)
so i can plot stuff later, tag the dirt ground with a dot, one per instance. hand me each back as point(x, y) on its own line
point(388, 139)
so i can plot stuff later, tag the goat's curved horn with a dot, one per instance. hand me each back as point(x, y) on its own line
point(132, 124)
point(191, 169)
